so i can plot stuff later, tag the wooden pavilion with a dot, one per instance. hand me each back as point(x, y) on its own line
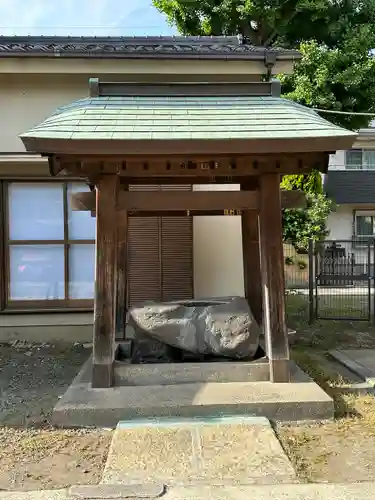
point(197, 133)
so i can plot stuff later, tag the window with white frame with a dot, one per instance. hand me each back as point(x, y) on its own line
point(360, 159)
point(364, 224)
point(49, 248)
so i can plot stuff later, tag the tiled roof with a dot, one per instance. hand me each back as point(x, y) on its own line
point(192, 117)
point(176, 47)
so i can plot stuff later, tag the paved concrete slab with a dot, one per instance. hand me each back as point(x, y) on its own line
point(150, 490)
point(366, 357)
point(35, 495)
point(234, 450)
point(359, 361)
point(82, 406)
point(356, 491)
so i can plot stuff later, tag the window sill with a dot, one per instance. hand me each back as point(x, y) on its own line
point(50, 310)
point(362, 241)
point(48, 306)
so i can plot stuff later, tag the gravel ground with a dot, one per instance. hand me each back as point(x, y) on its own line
point(32, 379)
point(33, 455)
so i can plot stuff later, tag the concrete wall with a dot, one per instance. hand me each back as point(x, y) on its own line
point(136, 67)
point(218, 264)
point(26, 101)
point(52, 327)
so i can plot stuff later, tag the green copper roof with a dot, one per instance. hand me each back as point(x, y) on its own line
point(155, 118)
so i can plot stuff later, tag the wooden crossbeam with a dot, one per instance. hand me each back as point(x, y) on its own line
point(177, 201)
point(199, 200)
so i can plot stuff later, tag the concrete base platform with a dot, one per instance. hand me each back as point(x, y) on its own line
point(127, 374)
point(82, 406)
point(227, 451)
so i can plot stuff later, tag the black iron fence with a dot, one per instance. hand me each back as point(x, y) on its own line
point(333, 280)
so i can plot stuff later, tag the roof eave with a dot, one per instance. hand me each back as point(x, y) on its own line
point(159, 56)
point(225, 48)
point(212, 147)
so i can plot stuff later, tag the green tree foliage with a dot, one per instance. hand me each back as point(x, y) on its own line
point(310, 183)
point(302, 224)
point(336, 79)
point(337, 71)
point(335, 37)
point(285, 23)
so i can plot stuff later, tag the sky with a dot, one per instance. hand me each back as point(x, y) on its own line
point(82, 18)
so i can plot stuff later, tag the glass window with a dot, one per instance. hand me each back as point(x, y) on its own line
point(36, 272)
point(81, 271)
point(82, 225)
point(353, 159)
point(365, 225)
point(36, 211)
point(357, 159)
point(369, 159)
point(50, 247)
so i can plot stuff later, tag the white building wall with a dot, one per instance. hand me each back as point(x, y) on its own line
point(218, 264)
point(25, 101)
point(337, 161)
point(340, 223)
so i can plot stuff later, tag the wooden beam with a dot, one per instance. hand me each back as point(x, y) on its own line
point(272, 273)
point(121, 273)
point(105, 305)
point(179, 213)
point(251, 263)
point(185, 213)
point(159, 201)
point(184, 166)
point(138, 201)
point(251, 181)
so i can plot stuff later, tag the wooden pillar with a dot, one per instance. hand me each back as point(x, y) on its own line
point(272, 272)
point(251, 262)
point(121, 273)
point(105, 283)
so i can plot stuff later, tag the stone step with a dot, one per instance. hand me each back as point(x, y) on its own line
point(187, 373)
point(212, 451)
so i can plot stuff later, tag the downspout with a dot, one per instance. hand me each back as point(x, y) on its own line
point(270, 58)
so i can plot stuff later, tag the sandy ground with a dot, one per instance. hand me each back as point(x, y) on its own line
point(339, 451)
point(32, 454)
point(342, 450)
